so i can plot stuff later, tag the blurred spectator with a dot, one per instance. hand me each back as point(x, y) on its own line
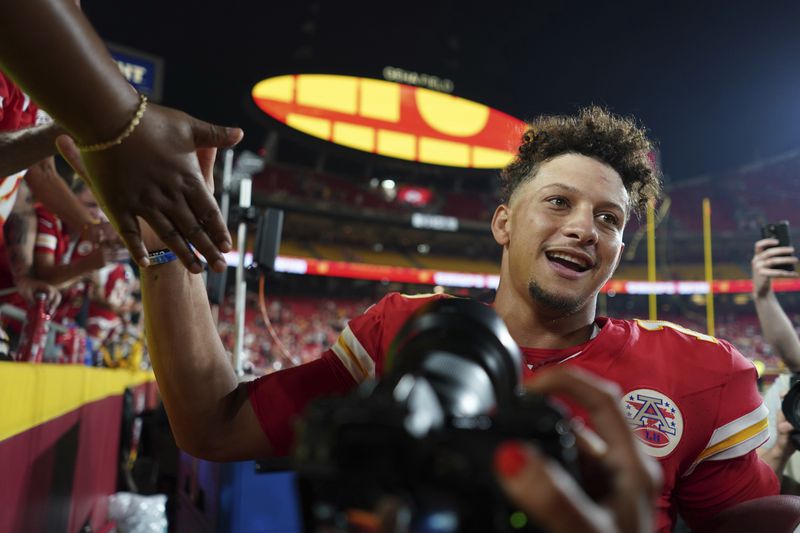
point(17, 281)
point(64, 257)
point(110, 299)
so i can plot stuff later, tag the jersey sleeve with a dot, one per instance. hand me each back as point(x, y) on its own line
point(360, 346)
point(279, 398)
point(727, 471)
point(742, 421)
point(46, 233)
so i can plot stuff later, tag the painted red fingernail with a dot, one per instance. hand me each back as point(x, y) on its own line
point(509, 459)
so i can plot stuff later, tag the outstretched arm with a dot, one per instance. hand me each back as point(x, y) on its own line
point(154, 172)
point(209, 409)
point(776, 326)
point(22, 148)
point(62, 276)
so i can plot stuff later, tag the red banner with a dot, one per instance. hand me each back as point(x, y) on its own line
point(416, 196)
point(488, 280)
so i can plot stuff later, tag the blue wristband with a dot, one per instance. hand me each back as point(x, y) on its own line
point(159, 257)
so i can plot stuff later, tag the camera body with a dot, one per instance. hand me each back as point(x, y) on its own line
point(422, 439)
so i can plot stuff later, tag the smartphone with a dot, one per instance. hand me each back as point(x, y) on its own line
point(780, 231)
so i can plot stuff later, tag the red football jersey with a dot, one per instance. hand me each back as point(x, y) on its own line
point(17, 111)
point(691, 400)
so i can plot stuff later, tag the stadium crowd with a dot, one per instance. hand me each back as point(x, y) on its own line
point(62, 269)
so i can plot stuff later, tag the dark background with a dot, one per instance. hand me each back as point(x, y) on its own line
point(715, 83)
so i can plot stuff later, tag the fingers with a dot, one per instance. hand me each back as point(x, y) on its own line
point(173, 239)
point(588, 441)
point(195, 230)
point(778, 261)
point(212, 136)
point(774, 251)
point(777, 273)
point(545, 492)
point(128, 230)
point(599, 397)
point(763, 244)
point(602, 400)
point(208, 215)
point(768, 256)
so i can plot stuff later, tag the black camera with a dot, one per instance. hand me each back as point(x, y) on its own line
point(421, 440)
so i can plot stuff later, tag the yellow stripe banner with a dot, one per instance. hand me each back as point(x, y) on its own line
point(32, 394)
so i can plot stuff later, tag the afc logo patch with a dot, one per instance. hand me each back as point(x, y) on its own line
point(654, 419)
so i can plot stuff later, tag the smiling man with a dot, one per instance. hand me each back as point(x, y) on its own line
point(689, 398)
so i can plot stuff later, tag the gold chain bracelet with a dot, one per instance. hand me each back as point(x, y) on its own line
point(137, 117)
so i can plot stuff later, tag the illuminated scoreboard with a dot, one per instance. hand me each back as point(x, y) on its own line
point(392, 119)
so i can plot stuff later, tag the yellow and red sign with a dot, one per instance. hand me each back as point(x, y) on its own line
point(392, 119)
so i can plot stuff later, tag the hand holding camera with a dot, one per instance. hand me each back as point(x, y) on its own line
point(449, 440)
point(555, 500)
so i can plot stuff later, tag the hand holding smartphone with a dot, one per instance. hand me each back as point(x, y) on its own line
point(779, 231)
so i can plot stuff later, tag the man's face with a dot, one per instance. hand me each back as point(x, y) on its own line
point(562, 232)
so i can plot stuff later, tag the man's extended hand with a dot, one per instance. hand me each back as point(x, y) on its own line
point(551, 497)
point(205, 159)
point(155, 174)
point(766, 258)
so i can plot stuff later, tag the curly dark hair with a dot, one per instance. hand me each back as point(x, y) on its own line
point(594, 132)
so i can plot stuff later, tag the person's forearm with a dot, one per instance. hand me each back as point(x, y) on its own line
point(50, 189)
point(19, 232)
point(778, 330)
point(774, 457)
point(49, 44)
point(196, 380)
point(22, 148)
point(63, 275)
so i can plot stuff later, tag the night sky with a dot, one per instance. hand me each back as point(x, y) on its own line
point(716, 85)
